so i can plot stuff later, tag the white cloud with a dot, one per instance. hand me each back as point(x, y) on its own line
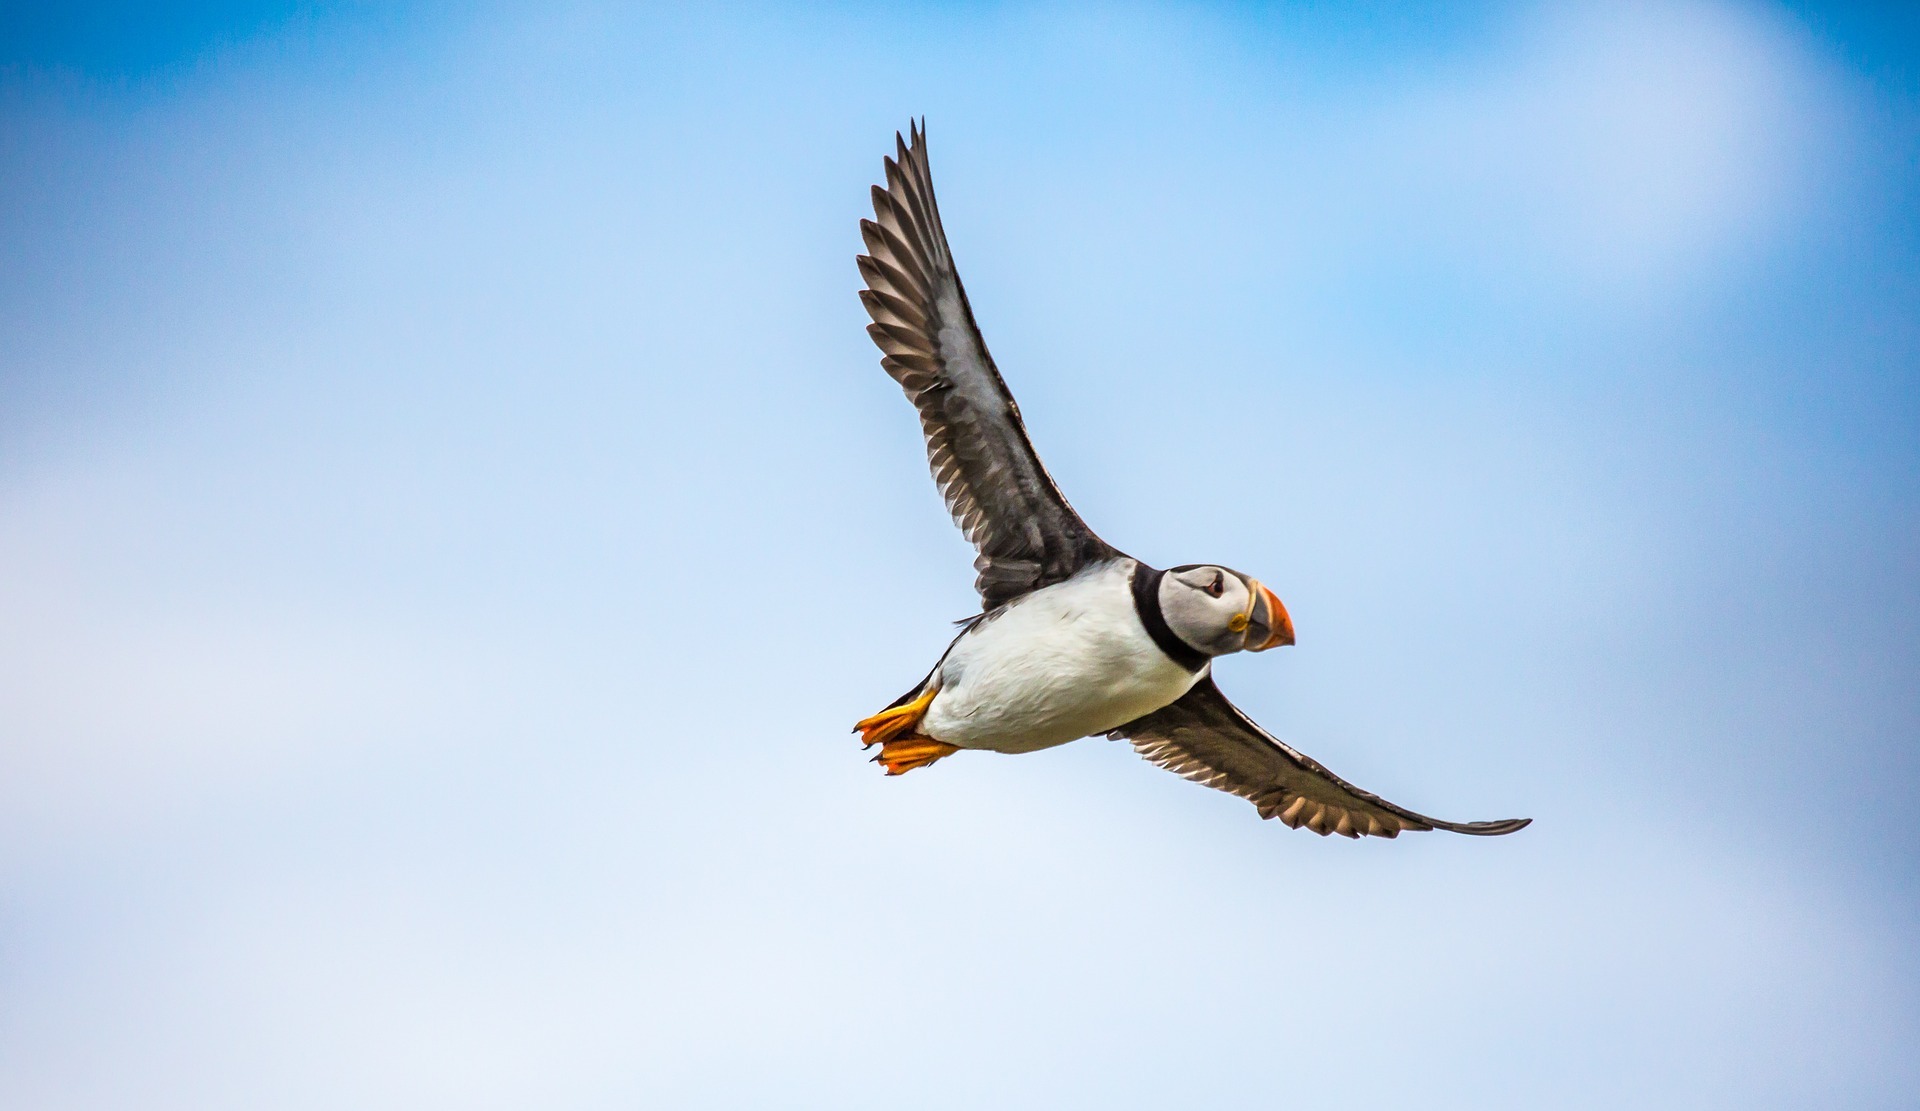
point(1615, 148)
point(141, 672)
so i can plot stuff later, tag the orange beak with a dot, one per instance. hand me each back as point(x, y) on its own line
point(1269, 625)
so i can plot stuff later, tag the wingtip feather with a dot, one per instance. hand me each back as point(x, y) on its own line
point(1490, 829)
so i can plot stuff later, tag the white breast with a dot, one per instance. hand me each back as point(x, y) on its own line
point(1066, 661)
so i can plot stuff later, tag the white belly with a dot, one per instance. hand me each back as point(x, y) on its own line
point(1066, 661)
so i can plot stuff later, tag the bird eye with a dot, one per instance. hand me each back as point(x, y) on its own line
point(1218, 585)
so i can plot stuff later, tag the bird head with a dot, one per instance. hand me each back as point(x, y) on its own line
point(1218, 610)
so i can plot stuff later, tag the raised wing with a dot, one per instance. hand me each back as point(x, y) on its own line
point(995, 486)
point(1207, 739)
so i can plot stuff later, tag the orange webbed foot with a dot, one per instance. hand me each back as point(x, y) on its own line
point(896, 730)
point(898, 721)
point(902, 756)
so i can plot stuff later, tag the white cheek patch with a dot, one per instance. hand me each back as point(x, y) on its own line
point(1196, 616)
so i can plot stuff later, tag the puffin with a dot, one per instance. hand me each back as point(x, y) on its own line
point(1075, 638)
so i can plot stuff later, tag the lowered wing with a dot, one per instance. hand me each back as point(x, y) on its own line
point(1207, 739)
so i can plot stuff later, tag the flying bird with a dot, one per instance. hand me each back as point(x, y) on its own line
point(1075, 638)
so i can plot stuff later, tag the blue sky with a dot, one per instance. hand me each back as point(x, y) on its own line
point(453, 515)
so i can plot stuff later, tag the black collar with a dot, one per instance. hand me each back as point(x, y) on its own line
point(1146, 603)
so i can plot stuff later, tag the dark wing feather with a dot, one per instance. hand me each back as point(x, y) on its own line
point(995, 486)
point(1207, 739)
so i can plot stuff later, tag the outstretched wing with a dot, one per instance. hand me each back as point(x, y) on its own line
point(994, 485)
point(1207, 739)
